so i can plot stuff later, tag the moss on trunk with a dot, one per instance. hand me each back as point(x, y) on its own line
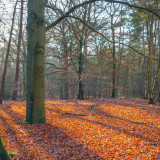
point(3, 153)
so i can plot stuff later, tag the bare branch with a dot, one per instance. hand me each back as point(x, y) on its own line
point(92, 1)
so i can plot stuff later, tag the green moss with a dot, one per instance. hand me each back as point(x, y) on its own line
point(27, 122)
point(43, 121)
point(12, 154)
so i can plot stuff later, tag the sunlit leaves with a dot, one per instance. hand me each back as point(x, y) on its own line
point(117, 129)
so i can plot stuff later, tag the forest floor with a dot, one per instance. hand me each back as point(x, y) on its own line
point(126, 129)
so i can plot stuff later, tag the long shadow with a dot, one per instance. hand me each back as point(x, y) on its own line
point(52, 140)
point(106, 114)
point(148, 126)
point(102, 113)
point(120, 130)
point(14, 140)
point(138, 104)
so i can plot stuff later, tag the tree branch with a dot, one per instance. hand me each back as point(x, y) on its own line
point(109, 39)
point(92, 1)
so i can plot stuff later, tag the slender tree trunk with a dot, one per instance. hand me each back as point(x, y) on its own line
point(24, 77)
point(7, 56)
point(87, 18)
point(128, 83)
point(80, 71)
point(148, 66)
point(144, 60)
point(119, 53)
point(65, 88)
point(147, 78)
point(35, 112)
point(113, 61)
point(3, 153)
point(154, 82)
point(125, 82)
point(61, 93)
point(14, 93)
point(151, 98)
point(65, 75)
point(158, 97)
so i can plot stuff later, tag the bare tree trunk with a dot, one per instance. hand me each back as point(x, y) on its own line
point(65, 56)
point(113, 61)
point(119, 53)
point(81, 59)
point(154, 82)
point(7, 56)
point(24, 77)
point(15, 89)
point(144, 59)
point(3, 153)
point(35, 112)
point(80, 71)
point(148, 64)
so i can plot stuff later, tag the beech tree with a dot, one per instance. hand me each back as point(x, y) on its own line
point(36, 31)
point(35, 55)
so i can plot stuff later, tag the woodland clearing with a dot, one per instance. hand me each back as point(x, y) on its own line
point(117, 129)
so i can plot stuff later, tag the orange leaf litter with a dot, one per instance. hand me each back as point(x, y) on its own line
point(122, 129)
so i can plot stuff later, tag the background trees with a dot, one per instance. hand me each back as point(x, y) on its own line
point(90, 50)
point(94, 50)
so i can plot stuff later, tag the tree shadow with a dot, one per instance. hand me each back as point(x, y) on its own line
point(47, 141)
point(106, 114)
point(13, 139)
point(150, 141)
point(134, 103)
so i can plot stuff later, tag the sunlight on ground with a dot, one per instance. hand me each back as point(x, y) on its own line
point(118, 129)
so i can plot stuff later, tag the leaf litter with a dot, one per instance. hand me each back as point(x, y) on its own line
point(126, 129)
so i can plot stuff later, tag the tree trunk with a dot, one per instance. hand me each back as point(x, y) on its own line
point(65, 56)
point(80, 71)
point(15, 89)
point(148, 66)
point(35, 112)
point(3, 153)
point(119, 55)
point(154, 82)
point(7, 56)
point(113, 61)
point(158, 97)
point(24, 77)
point(65, 87)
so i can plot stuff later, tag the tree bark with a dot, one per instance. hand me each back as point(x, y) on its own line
point(154, 82)
point(148, 65)
point(35, 112)
point(113, 61)
point(15, 89)
point(119, 55)
point(3, 153)
point(7, 56)
point(80, 71)
point(65, 75)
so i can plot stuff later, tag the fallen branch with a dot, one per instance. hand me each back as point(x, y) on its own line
point(73, 114)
